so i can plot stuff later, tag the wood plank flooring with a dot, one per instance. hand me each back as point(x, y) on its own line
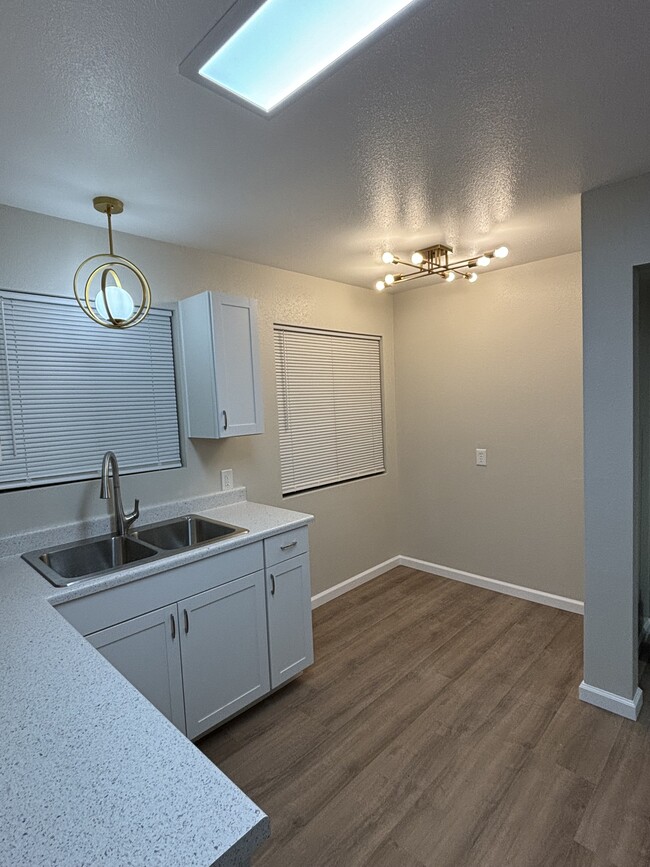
point(441, 726)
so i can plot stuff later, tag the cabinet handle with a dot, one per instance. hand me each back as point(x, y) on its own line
point(225, 420)
point(173, 627)
point(290, 545)
point(186, 620)
point(272, 585)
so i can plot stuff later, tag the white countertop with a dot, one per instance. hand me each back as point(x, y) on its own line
point(90, 772)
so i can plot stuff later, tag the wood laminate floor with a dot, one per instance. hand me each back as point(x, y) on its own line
point(441, 726)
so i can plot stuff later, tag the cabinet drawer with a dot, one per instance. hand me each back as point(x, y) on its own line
point(285, 545)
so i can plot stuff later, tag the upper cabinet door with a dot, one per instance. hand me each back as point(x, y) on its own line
point(239, 395)
point(221, 365)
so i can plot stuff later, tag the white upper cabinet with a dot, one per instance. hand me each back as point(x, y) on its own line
point(221, 365)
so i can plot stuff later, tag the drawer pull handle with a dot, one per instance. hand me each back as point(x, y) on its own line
point(186, 619)
point(272, 585)
point(173, 627)
point(225, 420)
point(290, 545)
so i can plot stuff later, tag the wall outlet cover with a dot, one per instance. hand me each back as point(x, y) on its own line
point(481, 457)
point(227, 481)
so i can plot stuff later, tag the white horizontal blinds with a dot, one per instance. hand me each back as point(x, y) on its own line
point(77, 389)
point(12, 447)
point(329, 406)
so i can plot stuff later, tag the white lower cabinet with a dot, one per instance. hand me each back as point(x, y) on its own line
point(241, 630)
point(224, 651)
point(146, 650)
point(288, 605)
point(199, 661)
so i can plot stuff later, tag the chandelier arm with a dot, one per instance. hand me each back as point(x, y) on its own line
point(436, 269)
point(407, 277)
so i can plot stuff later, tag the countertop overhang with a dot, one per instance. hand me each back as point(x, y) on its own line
point(91, 772)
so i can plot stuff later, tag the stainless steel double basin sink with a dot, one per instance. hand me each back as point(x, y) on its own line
point(77, 561)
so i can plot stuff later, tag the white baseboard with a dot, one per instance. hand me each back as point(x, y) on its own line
point(355, 581)
point(563, 602)
point(540, 596)
point(627, 707)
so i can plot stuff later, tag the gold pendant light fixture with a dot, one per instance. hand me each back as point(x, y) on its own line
point(112, 306)
point(434, 261)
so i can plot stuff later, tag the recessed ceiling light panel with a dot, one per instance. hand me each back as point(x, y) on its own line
point(261, 53)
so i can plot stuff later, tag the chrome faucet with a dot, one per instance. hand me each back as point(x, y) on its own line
point(111, 471)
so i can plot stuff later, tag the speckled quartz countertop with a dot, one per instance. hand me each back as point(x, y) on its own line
point(90, 772)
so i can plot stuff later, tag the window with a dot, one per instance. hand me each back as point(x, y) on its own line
point(70, 390)
point(329, 407)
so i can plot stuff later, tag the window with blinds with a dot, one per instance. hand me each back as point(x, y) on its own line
point(71, 390)
point(329, 393)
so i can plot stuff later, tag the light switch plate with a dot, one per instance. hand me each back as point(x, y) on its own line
point(481, 457)
point(227, 482)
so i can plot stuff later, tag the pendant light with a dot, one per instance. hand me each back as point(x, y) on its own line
point(112, 305)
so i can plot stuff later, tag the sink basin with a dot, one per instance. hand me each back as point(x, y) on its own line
point(190, 531)
point(67, 564)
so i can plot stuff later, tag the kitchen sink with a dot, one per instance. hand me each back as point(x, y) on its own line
point(67, 564)
point(190, 531)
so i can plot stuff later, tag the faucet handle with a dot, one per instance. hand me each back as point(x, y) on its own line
point(131, 518)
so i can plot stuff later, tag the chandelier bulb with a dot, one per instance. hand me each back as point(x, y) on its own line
point(472, 277)
point(450, 276)
point(380, 285)
point(501, 252)
point(389, 279)
point(484, 260)
point(417, 258)
point(387, 258)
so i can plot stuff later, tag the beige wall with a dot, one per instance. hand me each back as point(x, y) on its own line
point(354, 526)
point(495, 364)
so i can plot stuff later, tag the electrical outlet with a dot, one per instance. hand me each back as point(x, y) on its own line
point(481, 457)
point(227, 482)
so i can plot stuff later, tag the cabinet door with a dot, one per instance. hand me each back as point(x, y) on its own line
point(146, 650)
point(221, 366)
point(239, 395)
point(224, 651)
point(288, 596)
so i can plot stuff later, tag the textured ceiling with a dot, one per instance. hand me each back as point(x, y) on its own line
point(473, 123)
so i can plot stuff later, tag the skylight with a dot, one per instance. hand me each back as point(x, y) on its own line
point(286, 43)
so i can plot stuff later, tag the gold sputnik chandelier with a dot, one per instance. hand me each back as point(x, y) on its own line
point(112, 306)
point(434, 261)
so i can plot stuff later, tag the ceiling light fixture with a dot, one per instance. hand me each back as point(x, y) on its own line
point(434, 261)
point(113, 306)
point(262, 52)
